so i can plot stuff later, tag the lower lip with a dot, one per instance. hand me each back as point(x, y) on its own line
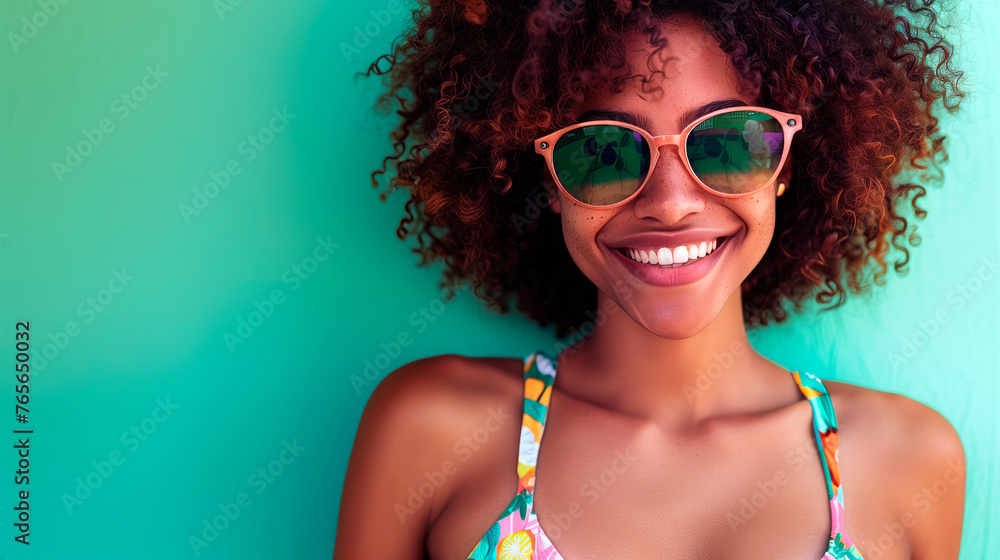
point(667, 276)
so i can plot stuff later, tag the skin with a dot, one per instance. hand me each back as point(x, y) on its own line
point(454, 421)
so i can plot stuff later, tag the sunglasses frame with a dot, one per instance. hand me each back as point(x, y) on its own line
point(790, 124)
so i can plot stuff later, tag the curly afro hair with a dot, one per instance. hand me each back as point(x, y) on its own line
point(476, 82)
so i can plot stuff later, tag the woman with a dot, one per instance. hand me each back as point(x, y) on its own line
point(661, 176)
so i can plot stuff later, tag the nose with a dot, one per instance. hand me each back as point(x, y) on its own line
point(671, 193)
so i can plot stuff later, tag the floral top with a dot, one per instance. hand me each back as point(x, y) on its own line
point(516, 535)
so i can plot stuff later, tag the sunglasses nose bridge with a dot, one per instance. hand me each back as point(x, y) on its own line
point(667, 140)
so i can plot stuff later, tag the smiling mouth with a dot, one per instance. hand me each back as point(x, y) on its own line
point(673, 257)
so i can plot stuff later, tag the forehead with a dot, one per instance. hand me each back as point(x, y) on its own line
point(690, 71)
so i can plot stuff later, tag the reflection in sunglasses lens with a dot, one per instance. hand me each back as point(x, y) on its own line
point(601, 164)
point(735, 152)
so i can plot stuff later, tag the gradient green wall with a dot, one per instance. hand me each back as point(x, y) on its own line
point(187, 223)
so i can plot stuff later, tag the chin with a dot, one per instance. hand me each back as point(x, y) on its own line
point(675, 321)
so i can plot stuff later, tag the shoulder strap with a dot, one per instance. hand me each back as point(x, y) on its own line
point(539, 375)
point(824, 428)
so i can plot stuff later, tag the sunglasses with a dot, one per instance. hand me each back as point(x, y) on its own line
point(731, 152)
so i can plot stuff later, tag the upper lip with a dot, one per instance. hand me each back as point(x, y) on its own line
point(657, 239)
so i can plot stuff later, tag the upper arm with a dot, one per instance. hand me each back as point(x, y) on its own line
point(402, 434)
point(935, 494)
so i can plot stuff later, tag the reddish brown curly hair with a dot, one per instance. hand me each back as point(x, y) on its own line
point(476, 82)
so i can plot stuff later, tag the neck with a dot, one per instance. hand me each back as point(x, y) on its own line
point(623, 366)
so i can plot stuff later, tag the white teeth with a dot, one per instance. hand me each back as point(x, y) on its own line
point(680, 255)
point(676, 256)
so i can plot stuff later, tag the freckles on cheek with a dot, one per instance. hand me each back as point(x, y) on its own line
point(577, 242)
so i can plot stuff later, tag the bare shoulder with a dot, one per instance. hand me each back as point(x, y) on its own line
point(436, 399)
point(895, 425)
point(439, 394)
point(454, 372)
point(904, 459)
point(408, 429)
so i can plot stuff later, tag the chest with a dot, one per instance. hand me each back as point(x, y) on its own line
point(729, 492)
point(611, 488)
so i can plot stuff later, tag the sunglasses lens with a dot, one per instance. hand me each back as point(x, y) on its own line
point(736, 152)
point(601, 164)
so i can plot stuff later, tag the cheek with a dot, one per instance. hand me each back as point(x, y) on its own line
point(580, 227)
point(759, 218)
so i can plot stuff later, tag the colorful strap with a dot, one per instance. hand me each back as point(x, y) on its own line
point(825, 430)
point(539, 375)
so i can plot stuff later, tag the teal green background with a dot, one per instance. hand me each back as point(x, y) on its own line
point(164, 335)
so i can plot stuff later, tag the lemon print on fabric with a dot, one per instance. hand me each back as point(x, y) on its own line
point(517, 546)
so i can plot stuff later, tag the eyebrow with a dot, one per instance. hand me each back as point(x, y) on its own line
point(642, 122)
